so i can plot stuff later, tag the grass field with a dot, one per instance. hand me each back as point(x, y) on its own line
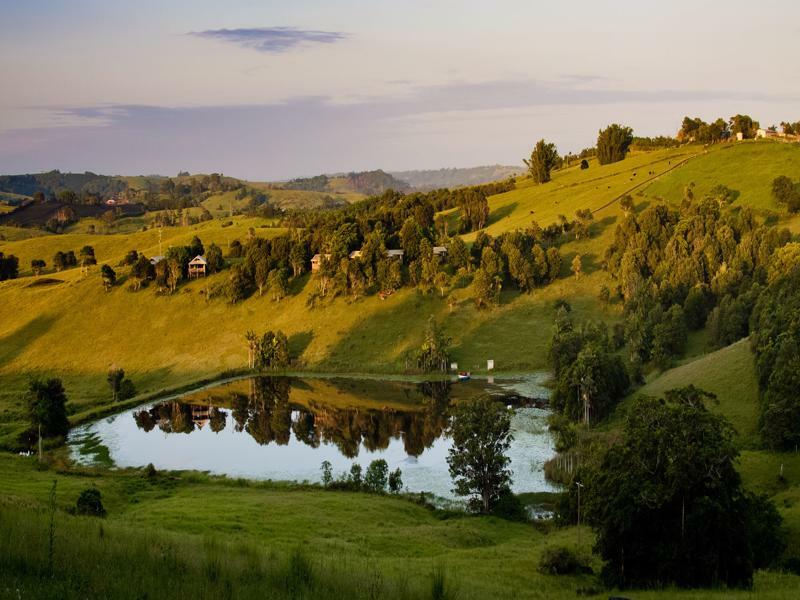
point(177, 534)
point(730, 374)
point(748, 168)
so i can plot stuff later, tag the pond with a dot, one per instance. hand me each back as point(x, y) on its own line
point(283, 428)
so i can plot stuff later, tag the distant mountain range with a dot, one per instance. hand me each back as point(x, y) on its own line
point(451, 178)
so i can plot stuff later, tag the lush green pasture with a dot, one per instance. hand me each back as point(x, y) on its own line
point(730, 374)
point(573, 189)
point(179, 535)
point(747, 167)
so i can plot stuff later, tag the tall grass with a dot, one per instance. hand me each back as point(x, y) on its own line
point(93, 558)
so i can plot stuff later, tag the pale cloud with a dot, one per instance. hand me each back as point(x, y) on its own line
point(273, 40)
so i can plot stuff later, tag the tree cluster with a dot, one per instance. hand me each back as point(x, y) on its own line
point(701, 257)
point(668, 505)
point(64, 260)
point(122, 388)
point(522, 259)
point(269, 352)
point(434, 354)
point(776, 343)
point(47, 407)
point(787, 192)
point(375, 480)
point(590, 377)
point(613, 143)
point(790, 128)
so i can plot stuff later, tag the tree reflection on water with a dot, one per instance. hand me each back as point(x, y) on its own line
point(268, 415)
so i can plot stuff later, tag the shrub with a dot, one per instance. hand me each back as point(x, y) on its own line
point(376, 477)
point(560, 560)
point(396, 481)
point(508, 506)
point(90, 502)
point(126, 390)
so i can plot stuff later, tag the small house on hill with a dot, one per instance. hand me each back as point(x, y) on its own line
point(396, 254)
point(316, 261)
point(197, 267)
point(440, 252)
point(355, 254)
point(156, 259)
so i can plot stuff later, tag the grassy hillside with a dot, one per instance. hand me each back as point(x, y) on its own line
point(170, 341)
point(747, 168)
point(730, 374)
point(192, 535)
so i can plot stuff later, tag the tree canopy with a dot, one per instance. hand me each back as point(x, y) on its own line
point(668, 504)
point(613, 143)
point(481, 433)
point(543, 159)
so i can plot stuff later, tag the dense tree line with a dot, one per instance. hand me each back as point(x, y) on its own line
point(697, 130)
point(790, 128)
point(654, 143)
point(701, 260)
point(776, 344)
point(71, 188)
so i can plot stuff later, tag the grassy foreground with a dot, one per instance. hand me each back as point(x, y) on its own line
point(190, 535)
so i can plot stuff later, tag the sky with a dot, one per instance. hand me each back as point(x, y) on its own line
point(268, 89)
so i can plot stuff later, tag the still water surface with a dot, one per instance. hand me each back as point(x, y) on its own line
point(283, 428)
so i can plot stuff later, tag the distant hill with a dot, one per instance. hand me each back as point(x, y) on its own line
point(52, 182)
point(369, 183)
point(452, 178)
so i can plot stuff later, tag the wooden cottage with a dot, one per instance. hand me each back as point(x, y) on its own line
point(316, 261)
point(440, 252)
point(197, 267)
point(355, 254)
point(395, 254)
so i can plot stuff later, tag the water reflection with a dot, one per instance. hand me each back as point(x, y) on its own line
point(268, 416)
point(284, 428)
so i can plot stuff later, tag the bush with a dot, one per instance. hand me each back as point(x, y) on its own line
point(508, 506)
point(90, 503)
point(396, 481)
point(126, 390)
point(560, 560)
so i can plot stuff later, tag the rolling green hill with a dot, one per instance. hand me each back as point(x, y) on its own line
point(65, 324)
point(168, 341)
point(730, 374)
point(747, 168)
